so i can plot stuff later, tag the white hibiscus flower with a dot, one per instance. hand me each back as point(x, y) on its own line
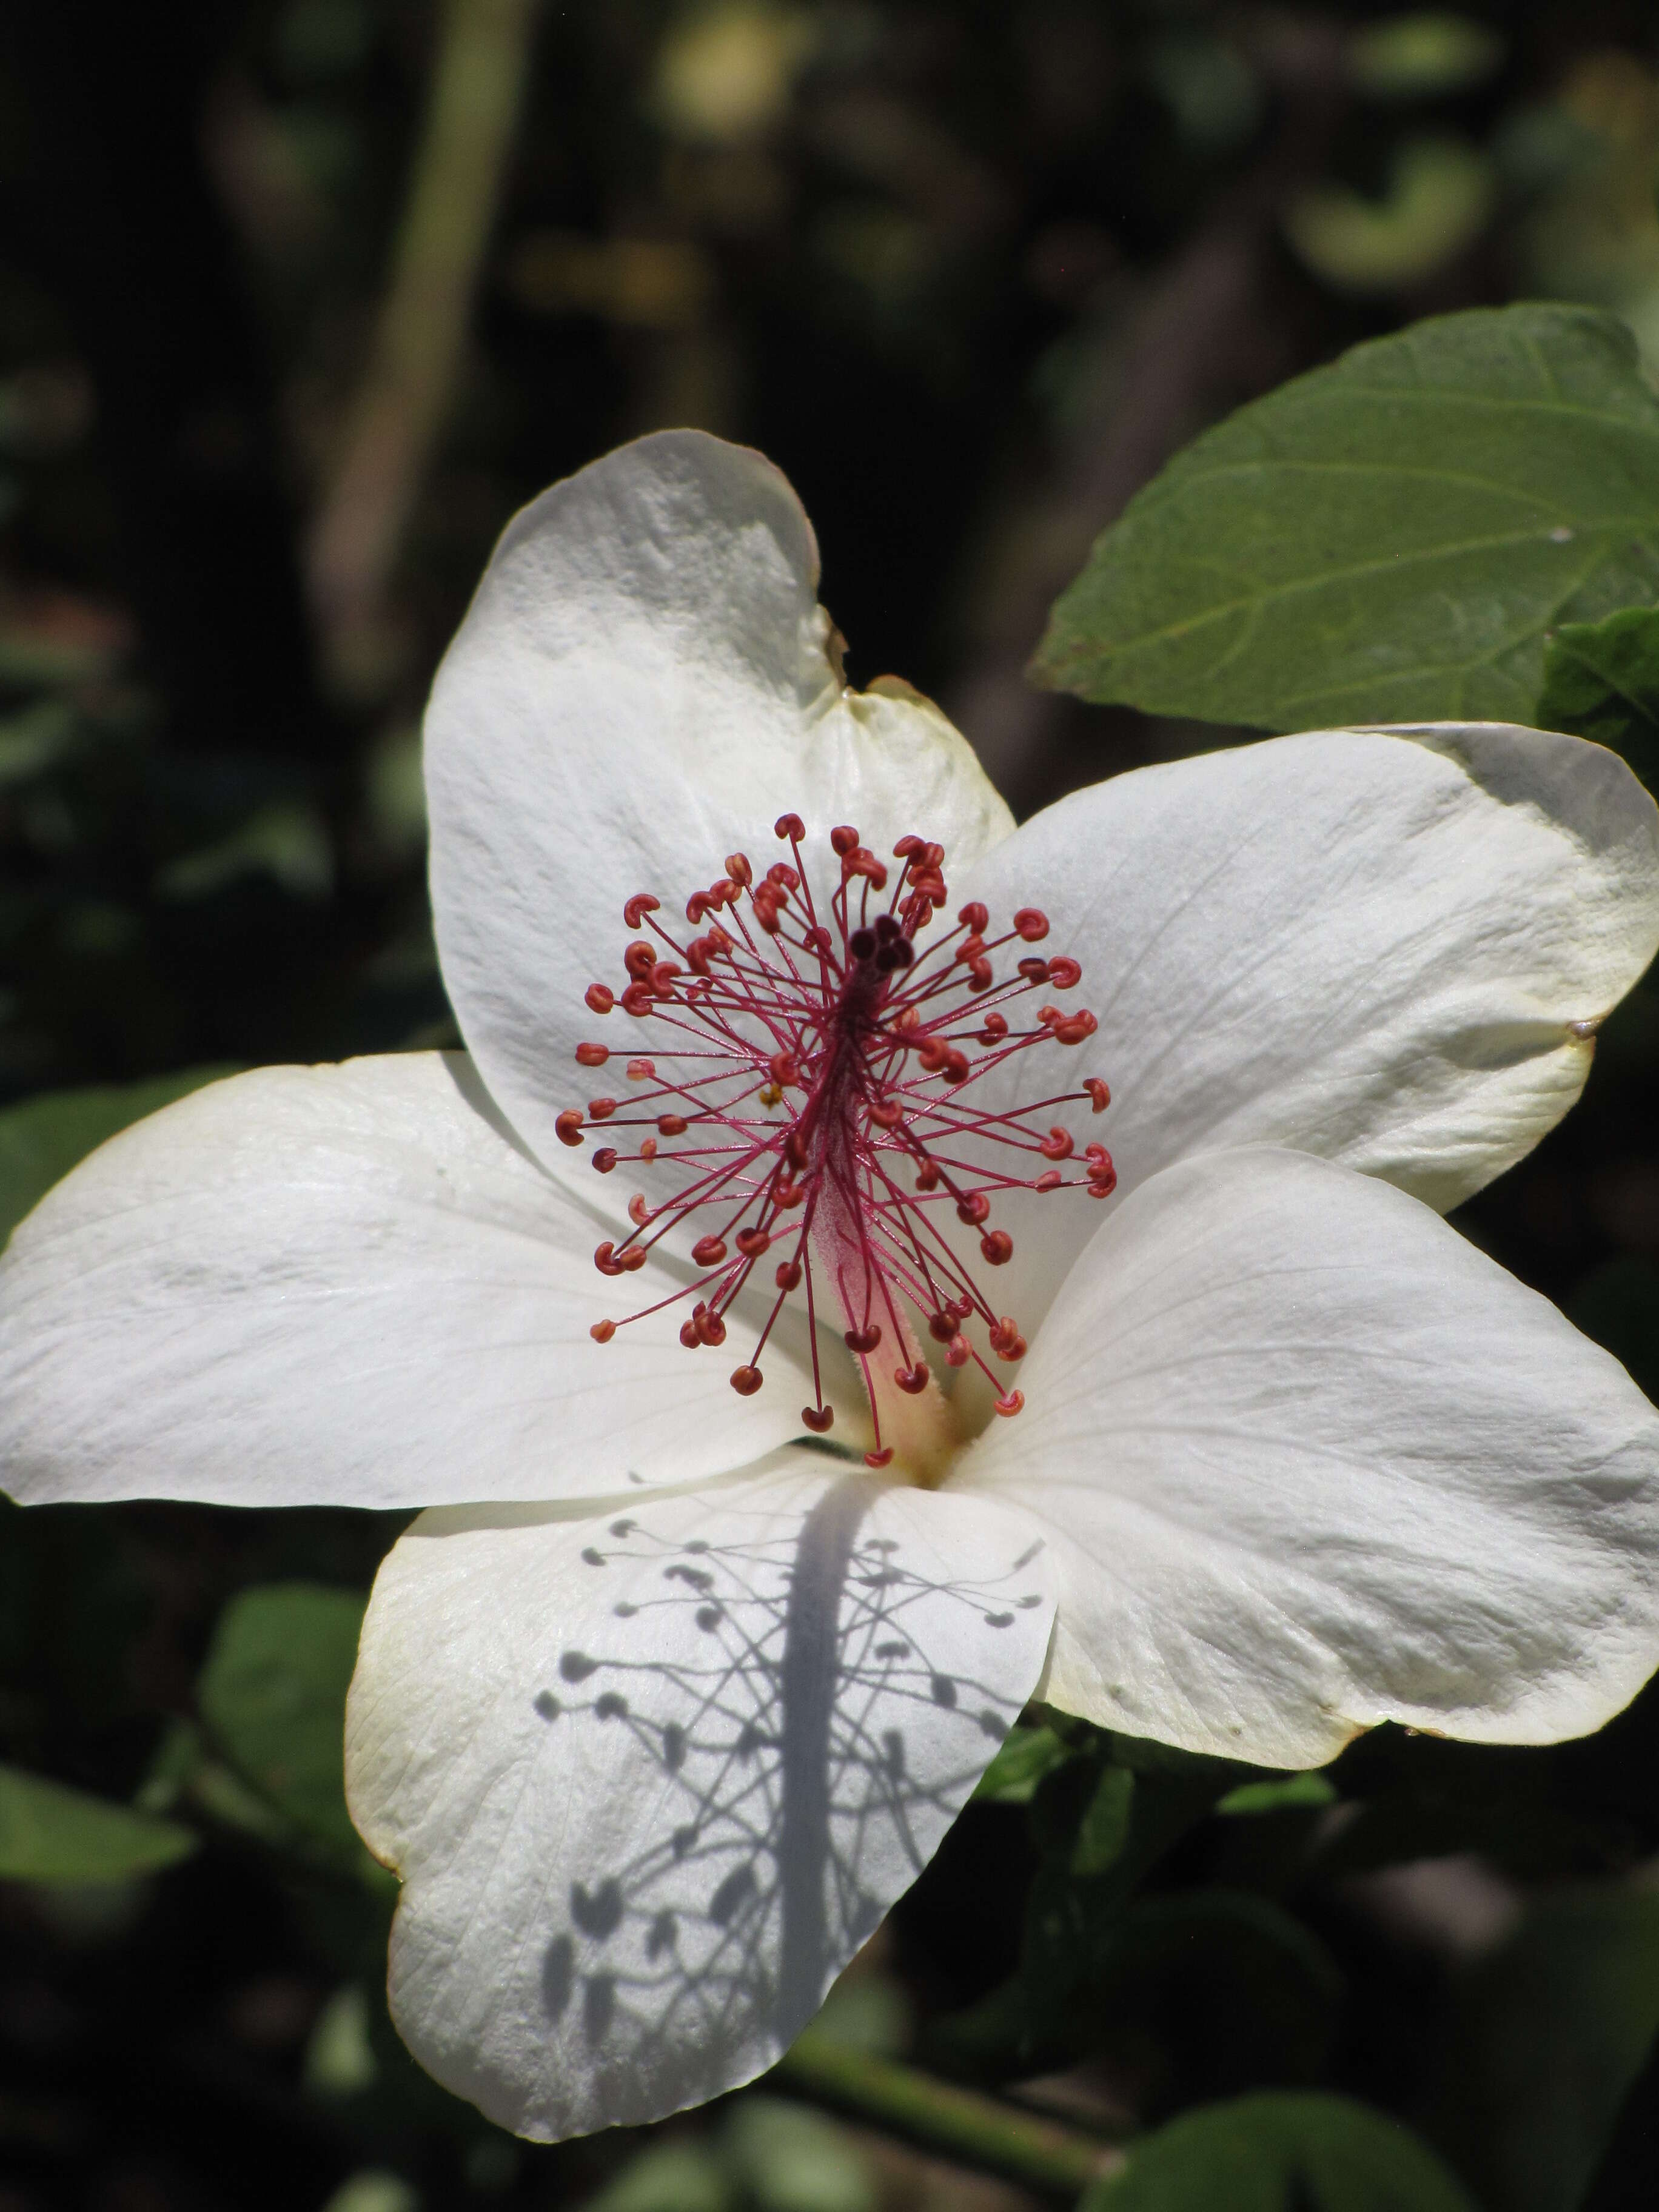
point(685, 1679)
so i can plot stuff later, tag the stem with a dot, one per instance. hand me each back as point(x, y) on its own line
point(478, 83)
point(976, 2130)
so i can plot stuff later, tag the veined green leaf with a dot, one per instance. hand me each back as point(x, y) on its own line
point(1386, 539)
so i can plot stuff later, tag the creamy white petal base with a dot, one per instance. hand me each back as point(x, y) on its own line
point(345, 1285)
point(1309, 1461)
point(1388, 948)
point(641, 686)
point(651, 1778)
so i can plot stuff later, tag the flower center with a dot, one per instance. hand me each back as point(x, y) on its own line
point(811, 1088)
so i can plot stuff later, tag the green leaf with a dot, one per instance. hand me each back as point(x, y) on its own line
point(273, 1694)
point(1388, 538)
point(1554, 2027)
point(1027, 1754)
point(668, 2177)
point(1103, 1831)
point(44, 1137)
point(1281, 2152)
point(786, 2159)
point(50, 1833)
point(1293, 1793)
point(1602, 681)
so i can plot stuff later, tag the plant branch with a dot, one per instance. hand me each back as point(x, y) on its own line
point(477, 84)
point(976, 2131)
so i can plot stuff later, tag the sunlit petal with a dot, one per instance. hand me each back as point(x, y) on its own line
point(641, 687)
point(1388, 949)
point(1309, 1461)
point(345, 1285)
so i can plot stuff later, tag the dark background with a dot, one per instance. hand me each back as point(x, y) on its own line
point(968, 273)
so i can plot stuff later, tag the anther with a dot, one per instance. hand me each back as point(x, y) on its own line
point(815, 1080)
point(1012, 1402)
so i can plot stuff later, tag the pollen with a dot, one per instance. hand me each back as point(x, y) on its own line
point(808, 1099)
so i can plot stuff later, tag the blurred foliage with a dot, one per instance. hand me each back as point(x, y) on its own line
point(1280, 2153)
point(48, 1833)
point(973, 275)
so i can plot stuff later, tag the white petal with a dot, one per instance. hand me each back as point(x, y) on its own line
point(345, 1285)
point(1389, 949)
point(651, 1780)
point(1309, 1461)
point(641, 686)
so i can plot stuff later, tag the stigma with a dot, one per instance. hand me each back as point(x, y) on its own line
point(809, 1092)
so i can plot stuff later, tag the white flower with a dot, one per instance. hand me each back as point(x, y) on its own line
point(667, 1705)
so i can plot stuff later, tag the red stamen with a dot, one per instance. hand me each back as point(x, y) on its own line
point(820, 1057)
